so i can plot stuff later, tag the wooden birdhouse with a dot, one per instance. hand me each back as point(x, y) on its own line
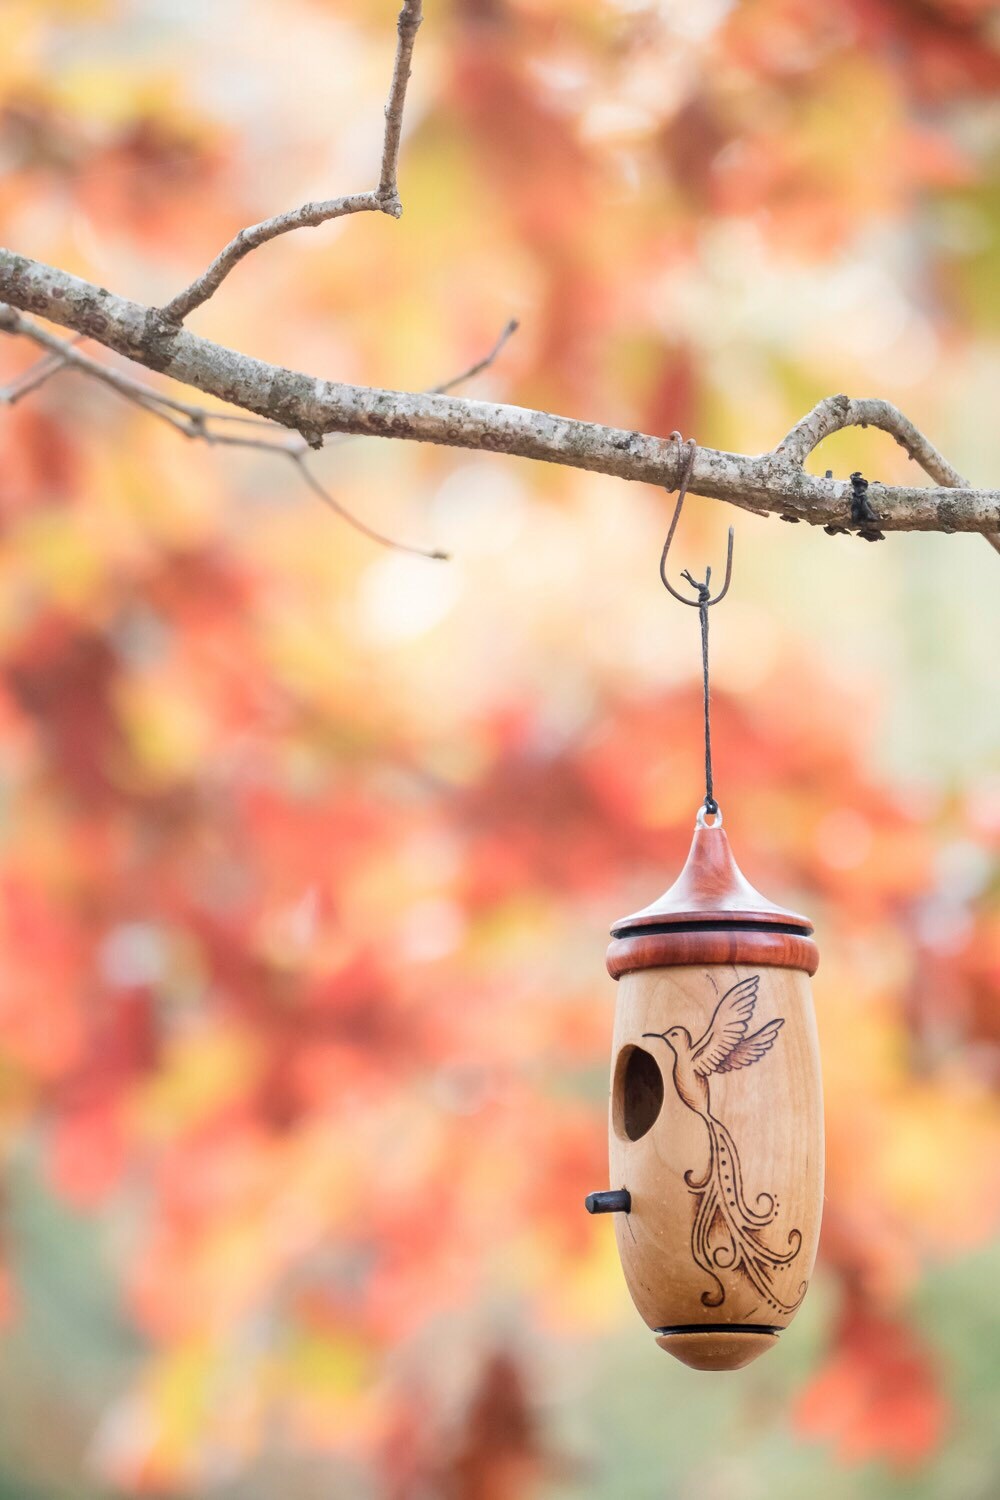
point(716, 1119)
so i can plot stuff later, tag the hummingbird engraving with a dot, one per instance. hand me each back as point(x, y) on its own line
point(727, 1232)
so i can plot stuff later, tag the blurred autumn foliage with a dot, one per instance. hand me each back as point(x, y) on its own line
point(308, 851)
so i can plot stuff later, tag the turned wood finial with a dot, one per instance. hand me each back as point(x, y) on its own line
point(711, 914)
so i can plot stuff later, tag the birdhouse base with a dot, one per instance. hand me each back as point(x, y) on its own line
point(718, 1349)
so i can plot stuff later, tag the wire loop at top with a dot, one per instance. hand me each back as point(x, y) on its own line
point(704, 598)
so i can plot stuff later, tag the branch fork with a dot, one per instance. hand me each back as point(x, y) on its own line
point(382, 199)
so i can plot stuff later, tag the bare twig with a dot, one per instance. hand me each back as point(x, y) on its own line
point(32, 379)
point(38, 374)
point(508, 331)
point(299, 459)
point(309, 216)
point(765, 483)
point(383, 199)
point(388, 185)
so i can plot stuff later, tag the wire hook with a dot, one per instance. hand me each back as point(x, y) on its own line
point(704, 599)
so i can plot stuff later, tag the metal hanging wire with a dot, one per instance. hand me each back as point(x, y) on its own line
point(703, 603)
point(691, 448)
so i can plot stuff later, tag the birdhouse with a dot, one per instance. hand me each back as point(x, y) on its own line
point(716, 1119)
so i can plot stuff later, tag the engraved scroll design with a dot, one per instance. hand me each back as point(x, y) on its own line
point(728, 1234)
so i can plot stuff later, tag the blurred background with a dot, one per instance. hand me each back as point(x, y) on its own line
point(309, 848)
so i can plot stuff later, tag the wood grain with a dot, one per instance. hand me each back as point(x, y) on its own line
point(724, 1166)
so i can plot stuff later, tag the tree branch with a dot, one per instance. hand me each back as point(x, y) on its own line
point(383, 199)
point(197, 421)
point(837, 412)
point(769, 483)
point(766, 483)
